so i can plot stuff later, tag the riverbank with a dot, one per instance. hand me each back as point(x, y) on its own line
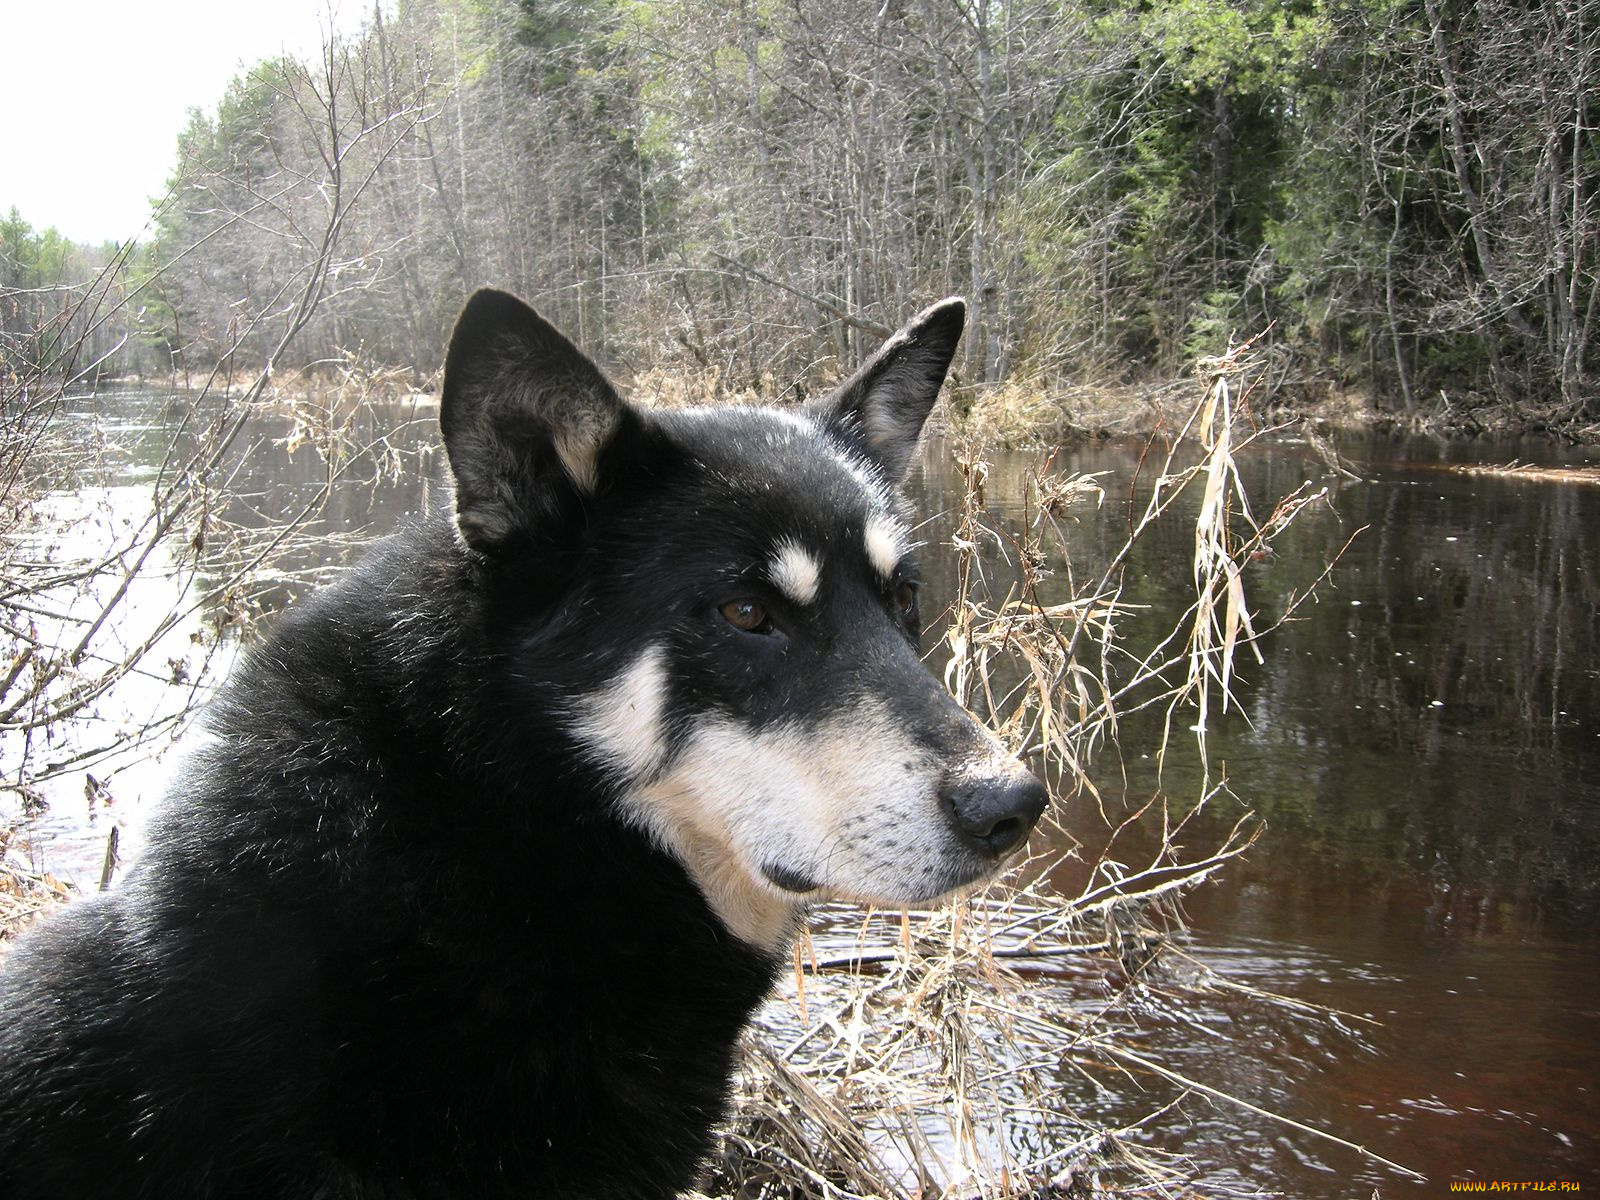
point(1018, 414)
point(1011, 415)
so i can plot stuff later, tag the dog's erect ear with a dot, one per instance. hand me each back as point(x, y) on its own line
point(885, 403)
point(525, 414)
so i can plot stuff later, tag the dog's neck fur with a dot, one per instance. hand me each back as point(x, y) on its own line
point(750, 910)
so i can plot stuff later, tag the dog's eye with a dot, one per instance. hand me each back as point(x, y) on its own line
point(905, 600)
point(746, 615)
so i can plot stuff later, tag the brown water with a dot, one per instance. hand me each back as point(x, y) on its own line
point(1424, 745)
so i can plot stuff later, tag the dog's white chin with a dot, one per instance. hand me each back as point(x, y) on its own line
point(959, 880)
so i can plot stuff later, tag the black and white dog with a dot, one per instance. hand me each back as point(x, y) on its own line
point(498, 842)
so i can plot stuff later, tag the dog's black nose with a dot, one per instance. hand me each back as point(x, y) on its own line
point(994, 815)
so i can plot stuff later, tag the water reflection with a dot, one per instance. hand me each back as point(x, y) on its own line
point(1424, 744)
point(124, 446)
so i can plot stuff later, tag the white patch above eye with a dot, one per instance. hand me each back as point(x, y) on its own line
point(887, 543)
point(621, 724)
point(795, 572)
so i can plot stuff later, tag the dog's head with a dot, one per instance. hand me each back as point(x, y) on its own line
point(728, 610)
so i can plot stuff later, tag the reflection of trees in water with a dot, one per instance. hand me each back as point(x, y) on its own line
point(1428, 731)
point(364, 485)
point(1451, 710)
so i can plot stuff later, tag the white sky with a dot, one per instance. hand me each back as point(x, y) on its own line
point(93, 94)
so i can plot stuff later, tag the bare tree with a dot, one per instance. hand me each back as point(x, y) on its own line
point(64, 611)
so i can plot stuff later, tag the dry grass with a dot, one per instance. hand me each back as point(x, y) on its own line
point(25, 891)
point(697, 387)
point(1021, 413)
point(1031, 413)
point(332, 406)
point(927, 1054)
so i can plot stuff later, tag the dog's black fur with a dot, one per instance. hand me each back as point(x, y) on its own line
point(392, 939)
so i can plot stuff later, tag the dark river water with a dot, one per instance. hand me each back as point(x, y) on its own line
point(1422, 742)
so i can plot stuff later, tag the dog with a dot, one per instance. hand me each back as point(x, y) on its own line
point(496, 842)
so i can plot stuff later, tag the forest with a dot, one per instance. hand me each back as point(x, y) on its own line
point(1398, 197)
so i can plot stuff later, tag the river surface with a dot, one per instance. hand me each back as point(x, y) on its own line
point(1422, 742)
